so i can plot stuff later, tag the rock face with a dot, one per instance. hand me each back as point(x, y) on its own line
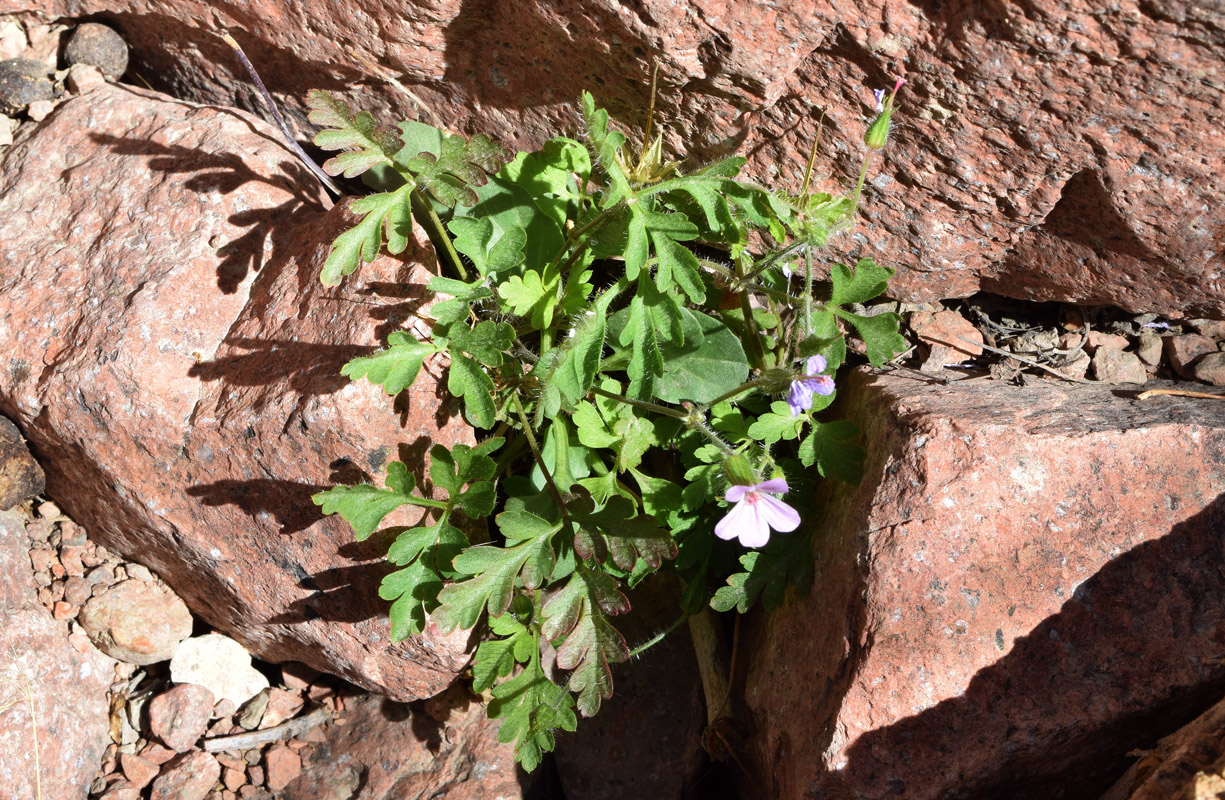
point(445, 748)
point(1043, 152)
point(67, 688)
point(21, 478)
point(175, 362)
point(1024, 588)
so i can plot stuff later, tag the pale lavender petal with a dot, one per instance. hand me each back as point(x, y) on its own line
point(756, 531)
point(777, 485)
point(799, 397)
point(742, 517)
point(735, 492)
point(880, 99)
point(777, 514)
point(820, 384)
point(815, 365)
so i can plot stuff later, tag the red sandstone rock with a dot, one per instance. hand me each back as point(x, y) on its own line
point(178, 717)
point(1210, 368)
point(1040, 153)
point(21, 478)
point(282, 765)
point(67, 687)
point(177, 364)
point(1024, 588)
point(393, 751)
point(137, 622)
point(140, 772)
point(945, 333)
point(1115, 366)
point(1184, 350)
point(188, 777)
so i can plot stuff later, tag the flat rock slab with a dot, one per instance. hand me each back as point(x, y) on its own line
point(175, 363)
point(1042, 152)
point(1026, 586)
point(50, 693)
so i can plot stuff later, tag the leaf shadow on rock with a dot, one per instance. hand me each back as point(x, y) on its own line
point(519, 55)
point(270, 232)
point(289, 502)
point(306, 368)
point(1113, 637)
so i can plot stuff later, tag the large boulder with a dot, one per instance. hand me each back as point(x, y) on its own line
point(175, 363)
point(1059, 150)
point(1025, 587)
point(54, 717)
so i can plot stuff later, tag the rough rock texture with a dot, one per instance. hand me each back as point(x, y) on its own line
point(21, 478)
point(68, 688)
point(137, 622)
point(445, 748)
point(647, 739)
point(1189, 763)
point(187, 777)
point(1043, 150)
point(175, 362)
point(219, 664)
point(179, 716)
point(1024, 588)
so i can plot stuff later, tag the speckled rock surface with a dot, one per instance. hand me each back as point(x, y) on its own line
point(67, 687)
point(1045, 150)
point(175, 362)
point(445, 748)
point(1024, 588)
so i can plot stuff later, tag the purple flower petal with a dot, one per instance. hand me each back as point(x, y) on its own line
point(777, 514)
point(735, 492)
point(741, 517)
point(799, 397)
point(815, 365)
point(880, 99)
point(820, 384)
point(778, 485)
point(755, 533)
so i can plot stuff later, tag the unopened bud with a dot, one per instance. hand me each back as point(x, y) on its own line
point(738, 472)
point(878, 131)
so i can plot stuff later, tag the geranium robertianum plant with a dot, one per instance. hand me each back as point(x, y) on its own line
point(644, 384)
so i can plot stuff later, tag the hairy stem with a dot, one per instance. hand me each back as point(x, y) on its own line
point(425, 215)
point(645, 406)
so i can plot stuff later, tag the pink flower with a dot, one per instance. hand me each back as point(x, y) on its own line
point(799, 396)
point(755, 513)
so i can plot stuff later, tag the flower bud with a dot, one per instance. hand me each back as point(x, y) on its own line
point(878, 131)
point(738, 472)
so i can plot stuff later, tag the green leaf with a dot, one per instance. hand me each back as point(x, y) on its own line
point(495, 569)
point(547, 175)
point(532, 296)
point(488, 342)
point(868, 280)
point(366, 143)
point(395, 368)
point(496, 658)
point(606, 145)
point(582, 357)
point(660, 497)
point(388, 211)
point(458, 167)
point(452, 469)
point(701, 373)
point(618, 531)
point(786, 560)
point(879, 333)
point(365, 506)
point(414, 589)
point(578, 613)
point(776, 424)
point(834, 448)
point(678, 267)
point(510, 211)
point(531, 707)
point(466, 379)
point(491, 250)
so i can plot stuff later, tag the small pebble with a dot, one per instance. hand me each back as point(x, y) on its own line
point(72, 534)
point(77, 590)
point(188, 777)
point(139, 572)
point(13, 39)
point(139, 771)
point(84, 78)
point(1113, 341)
point(179, 717)
point(49, 510)
point(63, 611)
point(99, 45)
point(40, 110)
point(24, 81)
point(282, 765)
point(1149, 348)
